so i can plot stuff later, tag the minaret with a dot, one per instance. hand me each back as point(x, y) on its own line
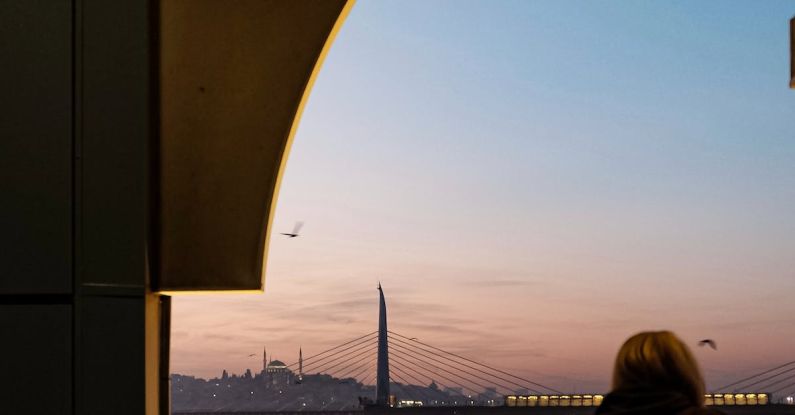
point(382, 370)
point(264, 358)
point(300, 364)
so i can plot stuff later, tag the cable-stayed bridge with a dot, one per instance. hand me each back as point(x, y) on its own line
point(399, 373)
point(408, 372)
point(777, 382)
point(420, 372)
point(460, 381)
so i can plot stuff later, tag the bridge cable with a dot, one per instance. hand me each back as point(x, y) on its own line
point(325, 360)
point(348, 352)
point(408, 387)
point(369, 365)
point(791, 377)
point(766, 387)
point(328, 369)
point(333, 348)
point(452, 382)
point(397, 384)
point(465, 378)
point(447, 379)
point(454, 374)
point(483, 365)
point(418, 388)
point(463, 370)
point(424, 390)
point(754, 376)
point(366, 360)
point(413, 372)
point(370, 378)
point(410, 375)
point(769, 378)
point(352, 362)
point(789, 385)
point(342, 354)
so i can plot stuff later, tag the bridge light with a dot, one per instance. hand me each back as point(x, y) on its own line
point(576, 400)
point(543, 400)
point(739, 399)
point(511, 401)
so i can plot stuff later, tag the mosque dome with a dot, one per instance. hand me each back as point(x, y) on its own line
point(277, 364)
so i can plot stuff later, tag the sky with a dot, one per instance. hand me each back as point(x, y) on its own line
point(533, 182)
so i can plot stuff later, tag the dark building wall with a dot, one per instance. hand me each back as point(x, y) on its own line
point(116, 64)
point(74, 169)
point(82, 182)
point(36, 147)
point(37, 359)
point(36, 261)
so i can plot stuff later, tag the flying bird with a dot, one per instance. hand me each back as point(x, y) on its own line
point(253, 354)
point(297, 228)
point(710, 342)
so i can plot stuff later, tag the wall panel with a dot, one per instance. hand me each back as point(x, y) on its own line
point(37, 359)
point(36, 146)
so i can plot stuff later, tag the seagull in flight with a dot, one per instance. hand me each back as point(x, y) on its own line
point(297, 228)
point(253, 354)
point(710, 342)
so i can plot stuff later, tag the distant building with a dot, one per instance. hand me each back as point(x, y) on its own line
point(490, 392)
point(276, 366)
point(490, 397)
point(454, 390)
point(276, 372)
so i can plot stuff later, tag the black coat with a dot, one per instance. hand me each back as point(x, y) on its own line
point(650, 402)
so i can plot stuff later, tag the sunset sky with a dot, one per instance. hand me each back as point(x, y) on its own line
point(532, 182)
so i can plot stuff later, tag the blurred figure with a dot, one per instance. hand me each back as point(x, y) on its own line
point(655, 373)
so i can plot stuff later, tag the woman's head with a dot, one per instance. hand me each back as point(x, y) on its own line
point(658, 359)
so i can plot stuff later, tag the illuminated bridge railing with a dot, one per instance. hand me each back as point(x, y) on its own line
point(717, 399)
point(723, 399)
point(553, 400)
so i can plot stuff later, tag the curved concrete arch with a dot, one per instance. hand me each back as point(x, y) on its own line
point(234, 79)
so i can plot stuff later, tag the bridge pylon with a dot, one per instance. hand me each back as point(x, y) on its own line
point(382, 370)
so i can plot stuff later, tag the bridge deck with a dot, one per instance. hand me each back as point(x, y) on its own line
point(772, 409)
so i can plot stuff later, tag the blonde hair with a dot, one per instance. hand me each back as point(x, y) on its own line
point(658, 359)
